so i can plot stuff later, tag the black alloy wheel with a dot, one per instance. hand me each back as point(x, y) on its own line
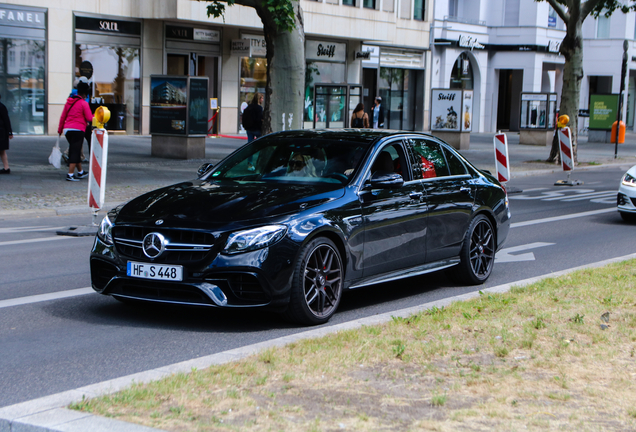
point(478, 252)
point(317, 283)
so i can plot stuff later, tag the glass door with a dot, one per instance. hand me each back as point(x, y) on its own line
point(334, 104)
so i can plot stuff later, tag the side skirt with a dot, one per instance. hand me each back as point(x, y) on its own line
point(406, 273)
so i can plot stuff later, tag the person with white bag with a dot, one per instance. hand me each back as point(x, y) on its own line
point(73, 121)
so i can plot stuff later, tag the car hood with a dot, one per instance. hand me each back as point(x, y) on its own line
point(191, 204)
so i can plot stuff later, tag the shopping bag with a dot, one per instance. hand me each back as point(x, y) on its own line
point(55, 158)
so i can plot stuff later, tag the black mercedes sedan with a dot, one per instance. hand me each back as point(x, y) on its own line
point(291, 220)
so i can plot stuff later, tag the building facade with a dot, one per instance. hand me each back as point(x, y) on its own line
point(355, 50)
point(499, 49)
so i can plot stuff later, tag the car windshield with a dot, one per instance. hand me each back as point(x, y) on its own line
point(292, 160)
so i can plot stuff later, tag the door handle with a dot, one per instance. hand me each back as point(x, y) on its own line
point(464, 189)
point(416, 196)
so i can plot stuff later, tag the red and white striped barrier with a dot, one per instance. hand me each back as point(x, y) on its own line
point(502, 161)
point(97, 173)
point(565, 144)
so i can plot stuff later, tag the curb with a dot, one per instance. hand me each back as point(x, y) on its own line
point(48, 414)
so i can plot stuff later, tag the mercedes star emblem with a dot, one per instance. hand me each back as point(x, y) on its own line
point(154, 244)
point(159, 222)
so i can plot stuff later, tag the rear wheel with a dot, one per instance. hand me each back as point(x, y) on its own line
point(317, 283)
point(478, 252)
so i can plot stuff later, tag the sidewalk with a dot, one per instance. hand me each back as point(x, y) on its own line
point(36, 188)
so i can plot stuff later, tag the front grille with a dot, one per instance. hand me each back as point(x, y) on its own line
point(183, 245)
point(159, 292)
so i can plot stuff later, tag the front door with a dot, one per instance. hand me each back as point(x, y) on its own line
point(394, 219)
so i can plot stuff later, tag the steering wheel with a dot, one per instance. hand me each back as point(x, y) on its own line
point(338, 176)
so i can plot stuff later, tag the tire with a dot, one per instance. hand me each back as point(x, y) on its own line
point(628, 217)
point(478, 252)
point(317, 283)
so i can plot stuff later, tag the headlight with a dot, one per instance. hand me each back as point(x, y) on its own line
point(105, 231)
point(628, 180)
point(252, 239)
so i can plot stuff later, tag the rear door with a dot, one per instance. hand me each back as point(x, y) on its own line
point(449, 197)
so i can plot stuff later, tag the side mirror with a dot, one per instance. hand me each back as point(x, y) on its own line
point(203, 169)
point(383, 180)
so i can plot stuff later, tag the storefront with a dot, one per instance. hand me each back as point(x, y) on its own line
point(253, 72)
point(397, 76)
point(107, 53)
point(326, 105)
point(23, 67)
point(194, 51)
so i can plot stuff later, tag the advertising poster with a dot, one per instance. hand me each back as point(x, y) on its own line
point(168, 109)
point(534, 108)
point(603, 111)
point(467, 116)
point(198, 107)
point(446, 107)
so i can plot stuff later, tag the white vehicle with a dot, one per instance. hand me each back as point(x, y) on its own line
point(626, 199)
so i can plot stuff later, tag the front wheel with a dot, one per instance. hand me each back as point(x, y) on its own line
point(317, 283)
point(478, 252)
point(628, 217)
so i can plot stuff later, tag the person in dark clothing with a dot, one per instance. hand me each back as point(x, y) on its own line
point(378, 114)
point(253, 117)
point(6, 133)
point(253, 122)
point(359, 119)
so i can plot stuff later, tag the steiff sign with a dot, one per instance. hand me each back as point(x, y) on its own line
point(325, 51)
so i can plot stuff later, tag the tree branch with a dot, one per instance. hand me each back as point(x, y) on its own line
point(588, 7)
point(561, 12)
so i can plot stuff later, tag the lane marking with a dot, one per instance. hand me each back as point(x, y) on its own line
point(35, 240)
point(504, 255)
point(26, 229)
point(45, 297)
point(563, 217)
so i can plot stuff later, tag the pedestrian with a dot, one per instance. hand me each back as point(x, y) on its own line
point(378, 114)
point(6, 133)
point(253, 117)
point(73, 122)
point(252, 121)
point(359, 119)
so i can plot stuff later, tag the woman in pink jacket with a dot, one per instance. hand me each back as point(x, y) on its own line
point(73, 123)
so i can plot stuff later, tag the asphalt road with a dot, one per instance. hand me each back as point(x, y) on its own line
point(55, 345)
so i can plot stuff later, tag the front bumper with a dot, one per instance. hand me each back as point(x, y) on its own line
point(626, 199)
point(254, 279)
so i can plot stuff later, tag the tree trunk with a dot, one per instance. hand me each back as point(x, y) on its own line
point(572, 50)
point(285, 86)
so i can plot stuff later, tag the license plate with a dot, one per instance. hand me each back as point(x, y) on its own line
point(154, 271)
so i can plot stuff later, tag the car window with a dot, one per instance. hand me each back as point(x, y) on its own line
point(455, 165)
point(292, 160)
point(431, 157)
point(391, 159)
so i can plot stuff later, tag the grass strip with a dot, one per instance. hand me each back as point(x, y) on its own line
point(558, 354)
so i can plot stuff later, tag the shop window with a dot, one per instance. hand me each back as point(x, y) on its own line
point(114, 82)
point(462, 73)
point(397, 88)
point(253, 79)
point(319, 73)
point(22, 84)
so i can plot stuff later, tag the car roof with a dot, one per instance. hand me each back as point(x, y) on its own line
point(355, 135)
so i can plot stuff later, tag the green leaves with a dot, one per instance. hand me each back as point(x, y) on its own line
point(281, 11)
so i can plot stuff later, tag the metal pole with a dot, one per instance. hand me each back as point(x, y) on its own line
point(620, 96)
